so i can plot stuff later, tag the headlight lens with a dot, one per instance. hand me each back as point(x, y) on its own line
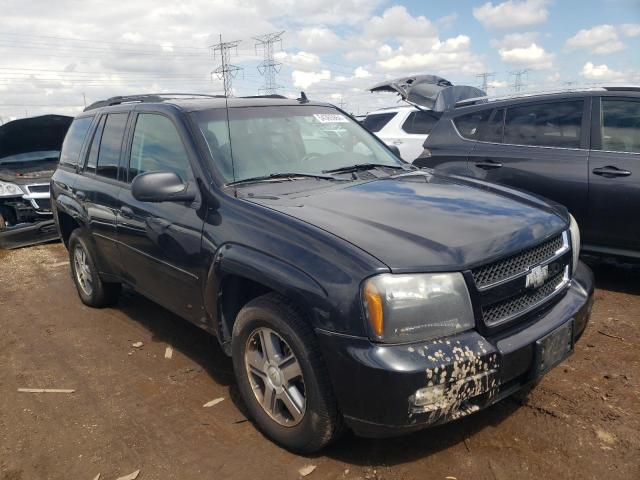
point(575, 241)
point(407, 308)
point(10, 190)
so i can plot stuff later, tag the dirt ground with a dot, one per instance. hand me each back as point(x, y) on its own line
point(134, 409)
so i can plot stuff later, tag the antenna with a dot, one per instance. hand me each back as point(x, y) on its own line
point(226, 71)
point(517, 82)
point(486, 77)
point(269, 66)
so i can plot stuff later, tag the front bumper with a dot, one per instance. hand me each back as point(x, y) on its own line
point(375, 384)
point(25, 234)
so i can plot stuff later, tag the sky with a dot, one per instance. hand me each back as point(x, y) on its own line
point(57, 56)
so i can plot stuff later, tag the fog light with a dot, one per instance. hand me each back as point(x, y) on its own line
point(428, 396)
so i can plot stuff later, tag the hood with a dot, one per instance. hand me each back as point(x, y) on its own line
point(429, 91)
point(36, 134)
point(423, 222)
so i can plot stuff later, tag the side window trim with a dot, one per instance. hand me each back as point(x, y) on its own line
point(92, 136)
point(545, 102)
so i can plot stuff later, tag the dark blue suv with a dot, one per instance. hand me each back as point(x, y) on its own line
point(350, 288)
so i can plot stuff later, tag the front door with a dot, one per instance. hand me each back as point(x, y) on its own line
point(160, 243)
point(542, 148)
point(614, 174)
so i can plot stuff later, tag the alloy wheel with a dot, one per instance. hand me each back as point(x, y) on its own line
point(83, 271)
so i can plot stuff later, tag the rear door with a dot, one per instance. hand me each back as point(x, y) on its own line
point(412, 132)
point(614, 174)
point(99, 187)
point(540, 147)
point(160, 243)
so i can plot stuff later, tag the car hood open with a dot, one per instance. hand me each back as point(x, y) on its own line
point(429, 91)
point(423, 222)
point(35, 134)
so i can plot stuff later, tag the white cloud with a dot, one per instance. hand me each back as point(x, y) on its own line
point(318, 39)
point(512, 14)
point(314, 12)
point(532, 56)
point(361, 72)
point(304, 80)
point(600, 72)
point(601, 39)
point(298, 60)
point(630, 29)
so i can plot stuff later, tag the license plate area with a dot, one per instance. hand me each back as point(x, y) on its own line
point(553, 348)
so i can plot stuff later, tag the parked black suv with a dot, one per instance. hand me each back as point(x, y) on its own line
point(580, 148)
point(347, 285)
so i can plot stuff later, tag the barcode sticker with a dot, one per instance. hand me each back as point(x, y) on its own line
point(330, 118)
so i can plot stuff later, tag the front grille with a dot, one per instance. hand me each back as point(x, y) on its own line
point(42, 188)
point(500, 311)
point(516, 264)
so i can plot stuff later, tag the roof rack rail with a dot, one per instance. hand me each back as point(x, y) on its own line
point(271, 95)
point(147, 97)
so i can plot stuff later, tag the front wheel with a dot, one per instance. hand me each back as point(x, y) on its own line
point(282, 377)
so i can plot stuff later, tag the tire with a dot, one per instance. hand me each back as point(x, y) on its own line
point(272, 316)
point(93, 291)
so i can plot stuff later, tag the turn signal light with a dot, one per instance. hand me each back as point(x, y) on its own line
point(373, 303)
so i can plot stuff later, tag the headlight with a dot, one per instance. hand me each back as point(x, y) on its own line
point(575, 241)
point(10, 190)
point(412, 307)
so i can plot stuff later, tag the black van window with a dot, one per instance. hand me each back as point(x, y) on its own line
point(491, 131)
point(74, 140)
point(620, 120)
point(469, 125)
point(377, 121)
point(92, 155)
point(110, 145)
point(420, 122)
point(157, 147)
point(554, 124)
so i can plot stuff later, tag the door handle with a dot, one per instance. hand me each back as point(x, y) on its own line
point(81, 195)
point(126, 212)
point(488, 165)
point(397, 142)
point(611, 172)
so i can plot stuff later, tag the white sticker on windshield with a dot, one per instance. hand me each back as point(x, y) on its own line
point(330, 118)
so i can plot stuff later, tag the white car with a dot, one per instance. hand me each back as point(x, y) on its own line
point(405, 127)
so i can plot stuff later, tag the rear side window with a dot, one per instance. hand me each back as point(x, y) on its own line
point(469, 125)
point(555, 124)
point(74, 140)
point(420, 122)
point(157, 147)
point(492, 130)
point(376, 122)
point(110, 145)
point(620, 123)
point(92, 156)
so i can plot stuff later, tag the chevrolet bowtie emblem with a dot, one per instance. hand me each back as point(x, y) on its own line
point(537, 276)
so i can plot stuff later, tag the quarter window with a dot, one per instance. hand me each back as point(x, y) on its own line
point(620, 120)
point(92, 156)
point(157, 147)
point(74, 140)
point(377, 121)
point(547, 125)
point(420, 122)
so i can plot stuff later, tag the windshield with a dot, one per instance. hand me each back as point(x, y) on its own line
point(287, 139)
point(31, 157)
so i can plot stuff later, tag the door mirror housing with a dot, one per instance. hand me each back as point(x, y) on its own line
point(161, 187)
point(395, 150)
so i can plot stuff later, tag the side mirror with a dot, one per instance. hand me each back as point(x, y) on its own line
point(161, 187)
point(395, 150)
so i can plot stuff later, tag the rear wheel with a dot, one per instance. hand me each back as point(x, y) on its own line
point(282, 377)
point(93, 291)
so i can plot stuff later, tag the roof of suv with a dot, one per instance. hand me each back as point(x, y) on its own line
point(567, 92)
point(194, 102)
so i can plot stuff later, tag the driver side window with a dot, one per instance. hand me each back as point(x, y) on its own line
point(157, 147)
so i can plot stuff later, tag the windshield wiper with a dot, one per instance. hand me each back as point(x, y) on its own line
point(283, 175)
point(366, 166)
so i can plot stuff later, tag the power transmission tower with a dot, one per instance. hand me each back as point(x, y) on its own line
point(269, 66)
point(226, 71)
point(342, 103)
point(486, 77)
point(517, 81)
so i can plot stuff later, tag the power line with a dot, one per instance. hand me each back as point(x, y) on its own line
point(486, 77)
point(517, 81)
point(226, 71)
point(269, 66)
